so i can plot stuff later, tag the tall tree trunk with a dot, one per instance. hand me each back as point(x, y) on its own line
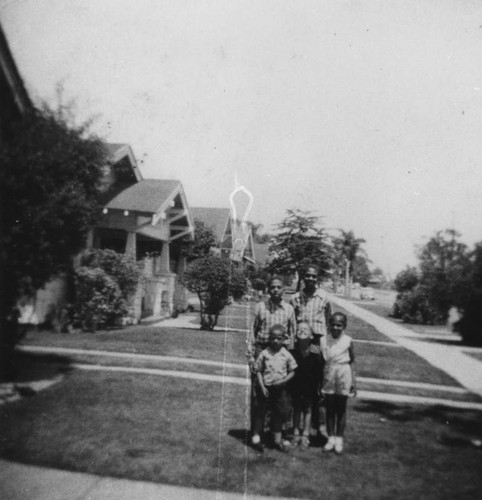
point(347, 280)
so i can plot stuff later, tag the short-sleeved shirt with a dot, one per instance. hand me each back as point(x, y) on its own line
point(308, 374)
point(268, 314)
point(311, 309)
point(275, 365)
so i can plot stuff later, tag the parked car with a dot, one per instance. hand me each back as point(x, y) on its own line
point(366, 293)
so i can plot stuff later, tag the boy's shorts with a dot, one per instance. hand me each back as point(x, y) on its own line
point(280, 400)
point(303, 403)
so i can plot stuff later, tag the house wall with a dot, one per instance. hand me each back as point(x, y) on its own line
point(48, 300)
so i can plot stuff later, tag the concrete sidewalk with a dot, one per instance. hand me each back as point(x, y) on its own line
point(464, 368)
point(28, 482)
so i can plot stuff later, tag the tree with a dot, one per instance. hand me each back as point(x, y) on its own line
point(470, 303)
point(347, 248)
point(204, 241)
point(427, 293)
point(257, 236)
point(407, 279)
point(215, 280)
point(49, 192)
point(360, 270)
point(300, 240)
point(444, 266)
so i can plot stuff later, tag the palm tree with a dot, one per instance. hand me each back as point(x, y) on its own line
point(347, 248)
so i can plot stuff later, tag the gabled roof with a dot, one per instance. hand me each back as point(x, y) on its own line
point(12, 80)
point(216, 219)
point(117, 152)
point(261, 252)
point(147, 196)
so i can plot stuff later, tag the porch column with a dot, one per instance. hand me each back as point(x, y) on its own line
point(131, 245)
point(165, 259)
point(181, 265)
point(89, 243)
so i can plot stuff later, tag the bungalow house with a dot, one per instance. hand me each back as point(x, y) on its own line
point(233, 242)
point(14, 100)
point(261, 252)
point(146, 219)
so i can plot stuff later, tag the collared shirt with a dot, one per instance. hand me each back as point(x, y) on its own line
point(312, 309)
point(268, 314)
point(275, 365)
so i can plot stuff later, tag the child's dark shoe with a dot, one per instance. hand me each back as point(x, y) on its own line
point(258, 447)
point(282, 446)
point(295, 441)
point(305, 442)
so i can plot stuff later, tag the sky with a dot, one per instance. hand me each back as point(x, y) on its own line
point(367, 113)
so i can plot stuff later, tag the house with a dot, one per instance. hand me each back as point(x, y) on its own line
point(235, 240)
point(261, 252)
point(14, 100)
point(147, 219)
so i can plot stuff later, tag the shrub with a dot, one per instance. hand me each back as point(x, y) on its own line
point(99, 299)
point(414, 307)
point(104, 283)
point(125, 271)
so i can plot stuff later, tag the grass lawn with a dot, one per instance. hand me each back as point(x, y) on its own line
point(164, 341)
point(193, 433)
point(373, 360)
point(374, 307)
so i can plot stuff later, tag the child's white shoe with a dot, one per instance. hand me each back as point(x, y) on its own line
point(338, 445)
point(330, 445)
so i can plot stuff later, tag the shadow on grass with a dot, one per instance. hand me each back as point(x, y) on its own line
point(32, 367)
point(461, 427)
point(242, 435)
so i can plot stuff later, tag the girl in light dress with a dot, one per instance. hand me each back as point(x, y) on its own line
point(338, 379)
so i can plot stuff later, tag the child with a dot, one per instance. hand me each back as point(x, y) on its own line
point(338, 380)
point(306, 384)
point(275, 367)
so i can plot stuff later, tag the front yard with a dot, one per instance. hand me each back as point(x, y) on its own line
point(194, 432)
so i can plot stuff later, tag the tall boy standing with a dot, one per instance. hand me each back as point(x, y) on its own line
point(275, 311)
point(311, 306)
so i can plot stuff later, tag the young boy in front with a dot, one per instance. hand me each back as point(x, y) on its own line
point(275, 367)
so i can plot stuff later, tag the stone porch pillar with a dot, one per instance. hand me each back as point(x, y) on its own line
point(165, 267)
point(131, 245)
point(89, 243)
